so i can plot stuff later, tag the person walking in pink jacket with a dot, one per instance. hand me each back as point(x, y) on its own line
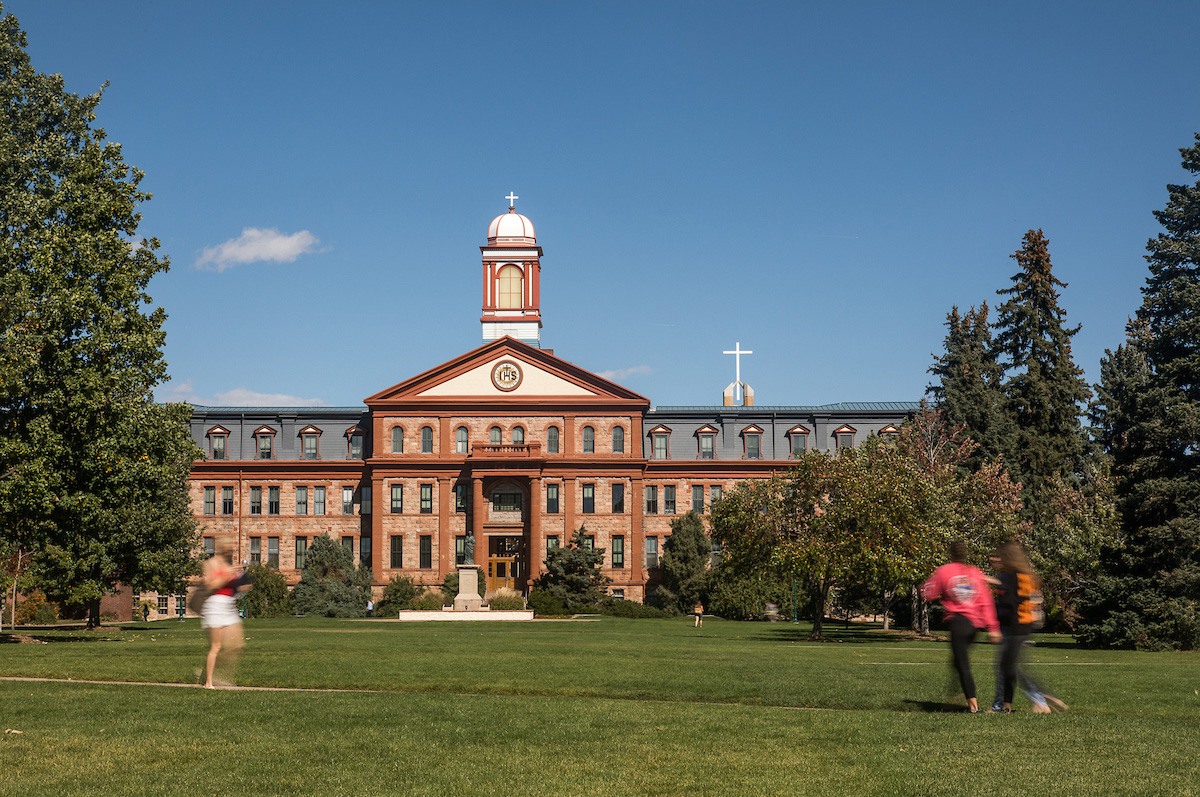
point(964, 594)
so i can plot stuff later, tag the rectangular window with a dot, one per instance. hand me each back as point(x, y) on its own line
point(799, 444)
point(552, 499)
point(163, 605)
point(272, 500)
point(301, 500)
point(753, 446)
point(618, 498)
point(706, 446)
point(364, 552)
point(264, 446)
point(348, 544)
point(356, 447)
point(651, 500)
point(210, 500)
point(660, 446)
point(218, 446)
point(714, 494)
point(698, 499)
point(618, 551)
point(273, 552)
point(210, 547)
point(301, 551)
point(256, 550)
point(365, 507)
point(310, 446)
point(426, 551)
point(589, 499)
point(669, 499)
point(318, 500)
point(255, 500)
point(397, 560)
point(507, 502)
point(347, 500)
point(589, 541)
point(397, 499)
point(460, 496)
point(551, 542)
point(460, 544)
point(226, 500)
point(845, 440)
point(651, 552)
point(426, 500)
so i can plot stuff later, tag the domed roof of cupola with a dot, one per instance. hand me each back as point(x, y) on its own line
point(511, 228)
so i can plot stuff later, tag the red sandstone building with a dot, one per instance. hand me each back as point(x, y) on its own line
point(508, 442)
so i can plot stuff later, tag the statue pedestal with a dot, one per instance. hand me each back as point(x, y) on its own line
point(468, 599)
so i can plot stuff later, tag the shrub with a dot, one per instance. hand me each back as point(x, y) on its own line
point(269, 597)
point(397, 595)
point(36, 610)
point(507, 600)
point(427, 601)
point(547, 604)
point(331, 584)
point(619, 607)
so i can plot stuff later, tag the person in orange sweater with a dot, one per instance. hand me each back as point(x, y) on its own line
point(964, 594)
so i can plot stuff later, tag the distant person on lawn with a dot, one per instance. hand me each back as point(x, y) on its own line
point(964, 594)
point(699, 612)
point(219, 615)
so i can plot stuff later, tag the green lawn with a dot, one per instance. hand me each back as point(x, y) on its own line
point(625, 707)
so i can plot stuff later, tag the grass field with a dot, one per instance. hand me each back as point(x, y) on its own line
point(614, 707)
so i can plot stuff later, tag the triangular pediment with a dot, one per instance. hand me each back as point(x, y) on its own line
point(506, 370)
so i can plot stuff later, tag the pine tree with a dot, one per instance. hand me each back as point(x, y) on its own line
point(967, 392)
point(92, 472)
point(685, 560)
point(1045, 391)
point(573, 573)
point(331, 584)
point(1149, 418)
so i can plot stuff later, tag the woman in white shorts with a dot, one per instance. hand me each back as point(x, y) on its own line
point(220, 615)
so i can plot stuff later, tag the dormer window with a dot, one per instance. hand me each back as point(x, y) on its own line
point(798, 440)
point(752, 442)
point(218, 438)
point(660, 442)
point(706, 436)
point(354, 443)
point(265, 436)
point(843, 437)
point(310, 437)
point(889, 432)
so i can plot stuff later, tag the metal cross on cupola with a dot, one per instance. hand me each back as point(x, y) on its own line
point(737, 353)
point(512, 200)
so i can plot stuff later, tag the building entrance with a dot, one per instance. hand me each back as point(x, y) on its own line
point(505, 564)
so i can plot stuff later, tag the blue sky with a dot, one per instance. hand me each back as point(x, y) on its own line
point(820, 182)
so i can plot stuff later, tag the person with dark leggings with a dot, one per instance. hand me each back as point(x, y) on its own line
point(1018, 608)
point(964, 594)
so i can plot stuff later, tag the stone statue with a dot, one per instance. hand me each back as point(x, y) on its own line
point(469, 549)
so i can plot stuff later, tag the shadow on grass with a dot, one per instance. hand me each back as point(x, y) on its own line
point(791, 632)
point(933, 706)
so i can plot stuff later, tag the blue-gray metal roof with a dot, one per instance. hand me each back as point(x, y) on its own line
point(842, 406)
point(279, 409)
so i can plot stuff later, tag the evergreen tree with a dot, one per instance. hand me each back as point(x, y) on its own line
point(269, 597)
point(573, 573)
point(331, 585)
point(967, 392)
point(685, 559)
point(92, 472)
point(1149, 418)
point(1045, 391)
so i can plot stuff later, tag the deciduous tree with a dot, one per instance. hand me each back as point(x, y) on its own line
point(92, 472)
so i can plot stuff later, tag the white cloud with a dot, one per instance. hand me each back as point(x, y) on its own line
point(618, 374)
point(238, 397)
point(254, 245)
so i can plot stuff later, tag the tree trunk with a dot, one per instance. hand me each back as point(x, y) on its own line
point(820, 603)
point(93, 607)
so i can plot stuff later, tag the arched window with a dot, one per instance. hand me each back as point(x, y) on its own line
point(495, 436)
point(552, 440)
point(518, 435)
point(589, 440)
point(461, 440)
point(397, 440)
point(618, 440)
point(510, 294)
point(426, 439)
